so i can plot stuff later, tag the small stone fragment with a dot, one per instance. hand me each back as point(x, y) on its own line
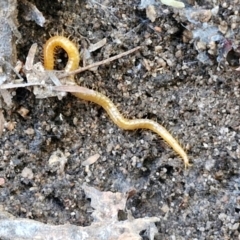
point(198, 15)
point(2, 121)
point(173, 3)
point(27, 173)
point(57, 161)
point(29, 131)
point(91, 160)
point(23, 112)
point(10, 125)
point(151, 13)
point(223, 27)
point(7, 97)
point(2, 182)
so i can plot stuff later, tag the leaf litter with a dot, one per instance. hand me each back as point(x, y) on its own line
point(105, 225)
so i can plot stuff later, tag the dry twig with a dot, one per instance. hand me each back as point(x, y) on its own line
point(99, 63)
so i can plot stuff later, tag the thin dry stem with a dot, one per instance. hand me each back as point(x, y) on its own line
point(12, 85)
point(99, 63)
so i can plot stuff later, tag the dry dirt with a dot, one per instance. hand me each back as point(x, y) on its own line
point(198, 102)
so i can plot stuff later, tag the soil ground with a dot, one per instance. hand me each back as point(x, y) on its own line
point(198, 103)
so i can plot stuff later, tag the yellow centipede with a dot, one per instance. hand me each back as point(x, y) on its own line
point(63, 42)
point(102, 100)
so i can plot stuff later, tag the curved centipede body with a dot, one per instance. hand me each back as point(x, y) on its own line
point(102, 100)
point(63, 42)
